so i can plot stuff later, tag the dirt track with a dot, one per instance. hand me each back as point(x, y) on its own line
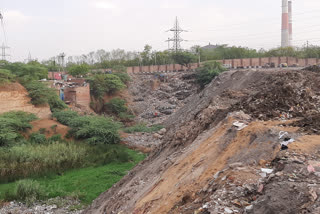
point(180, 176)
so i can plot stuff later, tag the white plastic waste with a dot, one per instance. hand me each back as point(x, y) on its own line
point(265, 170)
point(239, 125)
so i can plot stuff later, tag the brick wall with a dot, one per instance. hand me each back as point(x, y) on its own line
point(248, 62)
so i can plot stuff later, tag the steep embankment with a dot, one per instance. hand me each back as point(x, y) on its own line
point(206, 164)
point(14, 97)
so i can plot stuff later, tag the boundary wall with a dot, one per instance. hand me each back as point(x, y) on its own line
point(233, 63)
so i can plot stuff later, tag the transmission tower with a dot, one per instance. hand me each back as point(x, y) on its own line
point(177, 30)
point(3, 51)
point(4, 47)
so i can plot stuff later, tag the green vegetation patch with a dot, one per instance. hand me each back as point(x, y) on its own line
point(86, 183)
point(6, 76)
point(143, 128)
point(208, 71)
point(40, 94)
point(12, 124)
point(93, 129)
point(102, 84)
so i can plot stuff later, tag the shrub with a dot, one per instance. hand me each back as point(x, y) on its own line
point(55, 138)
point(40, 94)
point(94, 129)
point(207, 72)
point(26, 72)
point(38, 138)
point(6, 76)
point(65, 117)
point(102, 84)
point(11, 124)
point(116, 106)
point(29, 191)
point(121, 72)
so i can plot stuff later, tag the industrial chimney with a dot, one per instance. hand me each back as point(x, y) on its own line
point(290, 22)
point(285, 24)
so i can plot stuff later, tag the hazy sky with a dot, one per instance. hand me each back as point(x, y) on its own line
point(47, 28)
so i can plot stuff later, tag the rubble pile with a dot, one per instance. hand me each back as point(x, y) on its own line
point(157, 96)
point(52, 206)
point(314, 68)
point(238, 146)
point(284, 96)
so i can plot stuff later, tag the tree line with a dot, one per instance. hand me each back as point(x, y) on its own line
point(102, 59)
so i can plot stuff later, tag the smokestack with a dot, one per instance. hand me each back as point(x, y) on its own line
point(290, 22)
point(285, 24)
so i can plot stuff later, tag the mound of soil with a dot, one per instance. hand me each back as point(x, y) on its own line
point(203, 162)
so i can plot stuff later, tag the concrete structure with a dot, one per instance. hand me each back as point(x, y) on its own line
point(235, 63)
point(285, 24)
point(290, 23)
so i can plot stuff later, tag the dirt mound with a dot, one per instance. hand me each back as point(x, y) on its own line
point(51, 127)
point(206, 161)
point(14, 97)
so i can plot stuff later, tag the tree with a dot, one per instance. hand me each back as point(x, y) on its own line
point(184, 58)
point(208, 71)
point(102, 84)
point(78, 70)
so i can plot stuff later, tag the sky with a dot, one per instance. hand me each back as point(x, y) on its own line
point(46, 28)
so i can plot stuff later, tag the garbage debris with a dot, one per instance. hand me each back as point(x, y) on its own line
point(314, 68)
point(265, 170)
point(286, 140)
point(239, 125)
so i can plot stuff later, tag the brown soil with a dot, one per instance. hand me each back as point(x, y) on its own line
point(14, 97)
point(48, 124)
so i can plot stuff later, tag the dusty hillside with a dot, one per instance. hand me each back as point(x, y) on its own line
point(14, 97)
point(207, 164)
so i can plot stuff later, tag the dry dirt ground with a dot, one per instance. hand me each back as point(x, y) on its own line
point(207, 163)
point(14, 97)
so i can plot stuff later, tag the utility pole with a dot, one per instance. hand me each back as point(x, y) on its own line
point(62, 56)
point(177, 30)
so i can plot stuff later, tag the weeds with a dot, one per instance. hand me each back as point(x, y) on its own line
point(143, 128)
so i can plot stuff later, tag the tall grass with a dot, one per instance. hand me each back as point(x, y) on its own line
point(35, 160)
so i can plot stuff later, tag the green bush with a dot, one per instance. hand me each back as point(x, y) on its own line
point(29, 191)
point(143, 128)
point(38, 138)
point(102, 84)
point(26, 72)
point(121, 72)
point(11, 124)
point(55, 138)
point(208, 71)
point(93, 129)
point(116, 106)
point(6, 76)
point(65, 117)
point(40, 94)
